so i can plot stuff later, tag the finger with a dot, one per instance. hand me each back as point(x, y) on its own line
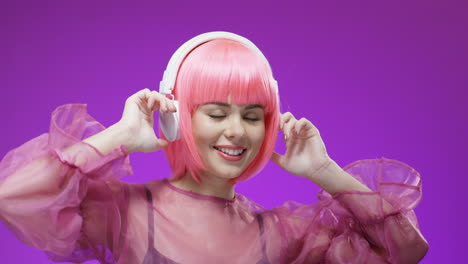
point(158, 144)
point(163, 104)
point(311, 129)
point(143, 91)
point(156, 99)
point(142, 94)
point(276, 158)
point(172, 106)
point(151, 102)
point(288, 126)
point(301, 125)
point(285, 118)
point(161, 143)
point(137, 95)
point(162, 101)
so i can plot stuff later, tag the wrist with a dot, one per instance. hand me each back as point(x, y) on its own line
point(333, 179)
point(319, 173)
point(122, 136)
point(111, 138)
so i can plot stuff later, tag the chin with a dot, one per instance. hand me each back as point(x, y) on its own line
point(226, 174)
point(229, 176)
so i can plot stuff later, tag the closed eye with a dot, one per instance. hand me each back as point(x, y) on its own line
point(250, 119)
point(253, 119)
point(217, 116)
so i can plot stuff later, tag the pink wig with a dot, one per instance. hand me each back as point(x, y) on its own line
point(210, 73)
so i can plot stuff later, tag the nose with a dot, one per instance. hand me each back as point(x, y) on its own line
point(234, 128)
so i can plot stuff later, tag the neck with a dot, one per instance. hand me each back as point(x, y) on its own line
point(210, 185)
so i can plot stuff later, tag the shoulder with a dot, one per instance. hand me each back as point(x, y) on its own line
point(248, 203)
point(143, 190)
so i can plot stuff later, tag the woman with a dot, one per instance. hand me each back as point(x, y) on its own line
point(60, 192)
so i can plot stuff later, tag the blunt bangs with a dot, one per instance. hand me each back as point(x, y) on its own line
point(223, 71)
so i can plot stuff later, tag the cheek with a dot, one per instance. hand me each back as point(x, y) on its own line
point(258, 136)
point(206, 139)
point(203, 131)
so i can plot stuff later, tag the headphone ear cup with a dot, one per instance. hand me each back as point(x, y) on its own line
point(170, 123)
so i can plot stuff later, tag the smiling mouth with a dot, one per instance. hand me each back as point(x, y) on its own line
point(230, 152)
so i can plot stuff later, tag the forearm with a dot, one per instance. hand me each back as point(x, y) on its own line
point(45, 173)
point(333, 179)
point(384, 219)
point(39, 176)
point(110, 139)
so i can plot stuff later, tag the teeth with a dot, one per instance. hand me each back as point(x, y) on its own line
point(232, 152)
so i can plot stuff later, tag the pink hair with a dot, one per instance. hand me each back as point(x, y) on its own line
point(210, 73)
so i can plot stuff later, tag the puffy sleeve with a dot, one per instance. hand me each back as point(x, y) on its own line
point(63, 196)
point(357, 227)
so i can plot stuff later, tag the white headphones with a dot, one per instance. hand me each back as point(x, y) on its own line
point(169, 122)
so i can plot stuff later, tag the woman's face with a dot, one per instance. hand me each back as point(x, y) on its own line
point(228, 136)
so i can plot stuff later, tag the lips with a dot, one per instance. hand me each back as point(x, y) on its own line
point(231, 153)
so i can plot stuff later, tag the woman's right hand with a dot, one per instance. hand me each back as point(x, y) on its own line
point(138, 120)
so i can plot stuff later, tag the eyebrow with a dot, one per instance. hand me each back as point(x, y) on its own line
point(250, 106)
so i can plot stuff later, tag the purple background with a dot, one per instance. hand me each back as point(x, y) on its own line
point(377, 79)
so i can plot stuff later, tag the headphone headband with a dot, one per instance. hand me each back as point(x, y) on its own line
point(170, 74)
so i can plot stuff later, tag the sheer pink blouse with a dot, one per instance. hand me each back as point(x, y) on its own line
point(78, 213)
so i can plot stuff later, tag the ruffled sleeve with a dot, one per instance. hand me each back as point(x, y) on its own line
point(358, 227)
point(63, 196)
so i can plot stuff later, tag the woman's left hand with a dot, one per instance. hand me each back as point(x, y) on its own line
point(305, 153)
